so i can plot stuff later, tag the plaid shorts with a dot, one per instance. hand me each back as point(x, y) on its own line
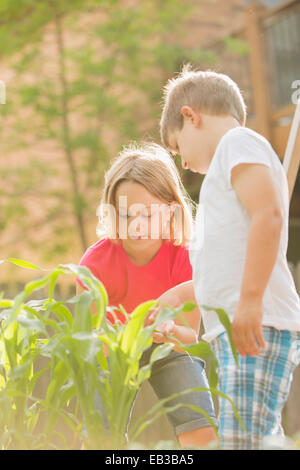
point(259, 388)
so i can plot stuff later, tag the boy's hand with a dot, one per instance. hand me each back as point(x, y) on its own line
point(247, 328)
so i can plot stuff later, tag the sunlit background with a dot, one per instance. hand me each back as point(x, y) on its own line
point(84, 78)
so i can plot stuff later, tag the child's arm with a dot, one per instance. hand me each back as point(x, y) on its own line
point(180, 332)
point(175, 297)
point(255, 188)
point(184, 293)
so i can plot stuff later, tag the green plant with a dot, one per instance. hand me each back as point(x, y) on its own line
point(296, 438)
point(84, 355)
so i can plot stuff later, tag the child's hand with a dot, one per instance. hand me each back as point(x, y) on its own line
point(163, 330)
point(170, 298)
point(247, 328)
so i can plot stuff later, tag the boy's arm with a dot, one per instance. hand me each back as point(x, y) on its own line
point(256, 191)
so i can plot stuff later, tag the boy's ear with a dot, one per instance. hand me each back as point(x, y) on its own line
point(189, 113)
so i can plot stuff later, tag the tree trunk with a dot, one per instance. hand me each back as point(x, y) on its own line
point(66, 126)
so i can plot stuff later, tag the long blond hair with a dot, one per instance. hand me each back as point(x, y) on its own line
point(151, 166)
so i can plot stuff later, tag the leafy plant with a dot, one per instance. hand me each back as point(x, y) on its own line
point(84, 355)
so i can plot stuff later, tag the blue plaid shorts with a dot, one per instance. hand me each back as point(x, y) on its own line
point(259, 388)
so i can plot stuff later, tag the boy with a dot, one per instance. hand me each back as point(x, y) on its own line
point(238, 251)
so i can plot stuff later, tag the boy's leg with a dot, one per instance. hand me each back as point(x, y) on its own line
point(259, 388)
point(174, 374)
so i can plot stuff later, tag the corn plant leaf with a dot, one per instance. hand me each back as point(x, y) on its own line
point(97, 289)
point(142, 422)
point(60, 375)
point(33, 416)
point(36, 376)
point(101, 302)
point(135, 324)
point(5, 303)
point(67, 392)
point(201, 349)
point(10, 341)
point(52, 281)
point(62, 313)
point(169, 409)
point(143, 374)
point(43, 318)
point(16, 309)
point(24, 264)
point(82, 318)
point(142, 342)
point(35, 285)
point(21, 371)
point(224, 319)
point(37, 304)
point(188, 307)
point(32, 324)
point(160, 352)
point(204, 351)
point(164, 315)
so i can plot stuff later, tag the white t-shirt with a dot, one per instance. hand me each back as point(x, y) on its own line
point(219, 243)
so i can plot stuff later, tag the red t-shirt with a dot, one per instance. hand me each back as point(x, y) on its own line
point(130, 285)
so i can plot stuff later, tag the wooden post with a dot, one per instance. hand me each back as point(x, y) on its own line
point(258, 69)
point(291, 159)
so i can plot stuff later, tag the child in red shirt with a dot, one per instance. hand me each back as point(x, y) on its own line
point(144, 227)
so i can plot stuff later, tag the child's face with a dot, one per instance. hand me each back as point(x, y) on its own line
point(141, 216)
point(192, 144)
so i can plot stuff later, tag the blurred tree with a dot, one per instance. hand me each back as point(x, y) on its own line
point(87, 77)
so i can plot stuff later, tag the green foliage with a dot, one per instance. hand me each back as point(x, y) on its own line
point(106, 81)
point(79, 355)
point(78, 92)
point(297, 441)
point(236, 46)
point(224, 319)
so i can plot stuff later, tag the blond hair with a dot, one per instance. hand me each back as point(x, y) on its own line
point(151, 166)
point(207, 91)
